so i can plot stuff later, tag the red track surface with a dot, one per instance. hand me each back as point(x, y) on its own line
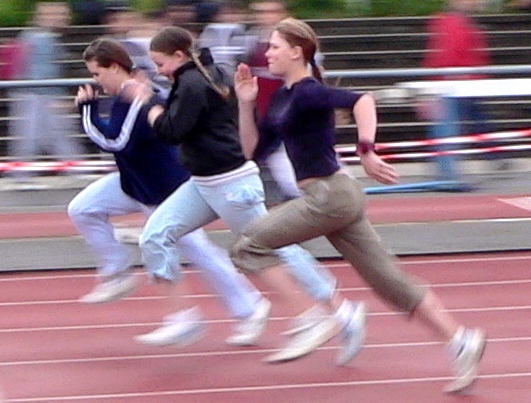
point(381, 210)
point(54, 349)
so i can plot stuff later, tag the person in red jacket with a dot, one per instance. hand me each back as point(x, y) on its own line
point(455, 40)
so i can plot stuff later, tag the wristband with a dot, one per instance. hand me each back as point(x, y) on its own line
point(364, 147)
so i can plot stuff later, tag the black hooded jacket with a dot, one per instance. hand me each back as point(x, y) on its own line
point(201, 121)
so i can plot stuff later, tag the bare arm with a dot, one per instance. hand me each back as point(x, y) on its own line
point(246, 87)
point(364, 112)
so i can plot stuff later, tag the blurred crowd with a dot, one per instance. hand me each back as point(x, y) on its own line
point(42, 123)
point(233, 30)
point(230, 28)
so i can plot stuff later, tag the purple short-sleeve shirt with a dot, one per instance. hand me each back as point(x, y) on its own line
point(303, 118)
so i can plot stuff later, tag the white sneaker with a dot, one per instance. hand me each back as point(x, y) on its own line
point(353, 334)
point(176, 331)
point(306, 341)
point(466, 361)
point(111, 290)
point(248, 331)
point(306, 320)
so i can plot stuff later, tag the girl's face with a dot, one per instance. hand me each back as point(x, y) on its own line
point(281, 56)
point(167, 64)
point(107, 77)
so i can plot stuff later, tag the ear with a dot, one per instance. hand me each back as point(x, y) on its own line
point(180, 54)
point(296, 53)
point(114, 67)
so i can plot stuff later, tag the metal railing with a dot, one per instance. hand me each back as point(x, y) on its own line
point(373, 73)
point(369, 73)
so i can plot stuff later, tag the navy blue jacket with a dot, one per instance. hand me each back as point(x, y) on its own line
point(149, 169)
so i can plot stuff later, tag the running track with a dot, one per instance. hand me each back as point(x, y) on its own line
point(57, 350)
point(54, 349)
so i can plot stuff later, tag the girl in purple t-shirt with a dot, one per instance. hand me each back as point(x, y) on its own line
point(332, 203)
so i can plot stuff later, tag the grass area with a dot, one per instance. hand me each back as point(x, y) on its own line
point(17, 12)
point(367, 8)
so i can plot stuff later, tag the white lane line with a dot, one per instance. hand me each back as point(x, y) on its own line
point(79, 360)
point(223, 321)
point(457, 221)
point(265, 388)
point(10, 277)
point(343, 289)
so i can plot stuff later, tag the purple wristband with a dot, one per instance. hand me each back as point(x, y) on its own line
point(363, 148)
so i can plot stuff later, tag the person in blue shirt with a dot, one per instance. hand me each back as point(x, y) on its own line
point(41, 124)
point(301, 114)
point(148, 172)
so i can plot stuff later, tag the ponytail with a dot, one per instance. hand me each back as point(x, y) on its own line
point(222, 89)
point(316, 71)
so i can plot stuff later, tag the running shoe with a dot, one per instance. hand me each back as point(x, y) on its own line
point(248, 331)
point(306, 319)
point(111, 290)
point(177, 330)
point(466, 360)
point(353, 334)
point(306, 341)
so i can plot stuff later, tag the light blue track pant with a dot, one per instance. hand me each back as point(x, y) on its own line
point(237, 198)
point(91, 210)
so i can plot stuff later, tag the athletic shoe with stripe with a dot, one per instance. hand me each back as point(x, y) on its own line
point(471, 346)
point(353, 334)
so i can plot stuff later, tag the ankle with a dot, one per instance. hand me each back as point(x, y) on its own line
point(344, 312)
point(455, 344)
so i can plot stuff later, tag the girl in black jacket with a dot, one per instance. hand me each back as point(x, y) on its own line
point(201, 117)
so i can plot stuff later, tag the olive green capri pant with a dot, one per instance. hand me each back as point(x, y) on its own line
point(333, 206)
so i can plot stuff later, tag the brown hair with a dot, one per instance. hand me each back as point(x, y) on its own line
point(171, 39)
point(299, 33)
point(106, 51)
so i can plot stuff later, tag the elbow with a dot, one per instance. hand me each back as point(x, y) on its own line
point(367, 99)
point(248, 147)
point(248, 154)
point(365, 104)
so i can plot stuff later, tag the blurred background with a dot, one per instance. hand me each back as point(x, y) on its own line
point(366, 45)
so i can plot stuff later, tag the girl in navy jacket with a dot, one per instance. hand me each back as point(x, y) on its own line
point(148, 171)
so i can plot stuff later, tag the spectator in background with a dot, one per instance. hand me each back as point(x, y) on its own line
point(455, 40)
point(88, 12)
point(134, 31)
point(41, 124)
point(265, 15)
point(187, 13)
point(225, 37)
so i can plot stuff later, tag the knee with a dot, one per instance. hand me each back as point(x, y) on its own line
point(145, 239)
point(152, 238)
point(239, 254)
point(77, 211)
point(251, 257)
